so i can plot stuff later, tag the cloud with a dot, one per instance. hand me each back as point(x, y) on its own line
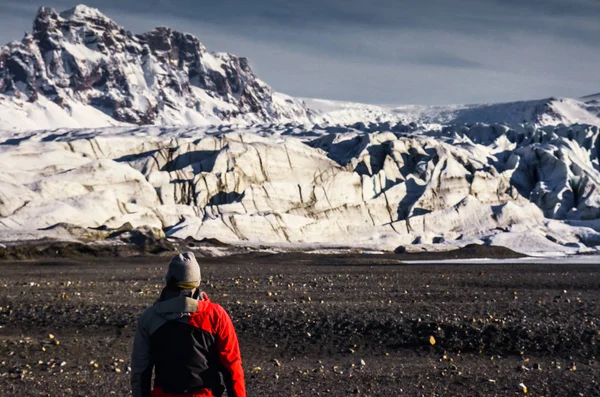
point(382, 51)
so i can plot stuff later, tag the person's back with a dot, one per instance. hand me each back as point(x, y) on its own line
point(188, 340)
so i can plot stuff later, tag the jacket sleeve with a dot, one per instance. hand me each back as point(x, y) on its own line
point(228, 350)
point(141, 363)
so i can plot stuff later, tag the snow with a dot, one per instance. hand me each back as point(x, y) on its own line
point(19, 115)
point(532, 244)
point(82, 12)
point(573, 260)
point(82, 52)
point(212, 62)
point(551, 111)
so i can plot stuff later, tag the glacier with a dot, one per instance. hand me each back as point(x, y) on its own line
point(533, 190)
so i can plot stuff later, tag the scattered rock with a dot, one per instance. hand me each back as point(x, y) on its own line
point(523, 388)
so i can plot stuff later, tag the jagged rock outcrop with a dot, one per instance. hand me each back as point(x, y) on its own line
point(82, 58)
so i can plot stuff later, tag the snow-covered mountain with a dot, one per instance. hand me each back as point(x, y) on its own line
point(78, 68)
point(542, 112)
point(101, 129)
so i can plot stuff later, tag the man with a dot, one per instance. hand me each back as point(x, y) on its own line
point(187, 339)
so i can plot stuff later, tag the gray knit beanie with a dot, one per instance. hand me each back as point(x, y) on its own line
point(184, 271)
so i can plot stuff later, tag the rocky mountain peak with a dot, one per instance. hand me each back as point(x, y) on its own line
point(83, 13)
point(77, 16)
point(79, 25)
point(81, 57)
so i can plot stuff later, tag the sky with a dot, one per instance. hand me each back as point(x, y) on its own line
point(380, 51)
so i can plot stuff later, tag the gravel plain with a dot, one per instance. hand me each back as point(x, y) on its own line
point(316, 325)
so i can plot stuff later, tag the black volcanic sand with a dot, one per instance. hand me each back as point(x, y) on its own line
point(316, 325)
